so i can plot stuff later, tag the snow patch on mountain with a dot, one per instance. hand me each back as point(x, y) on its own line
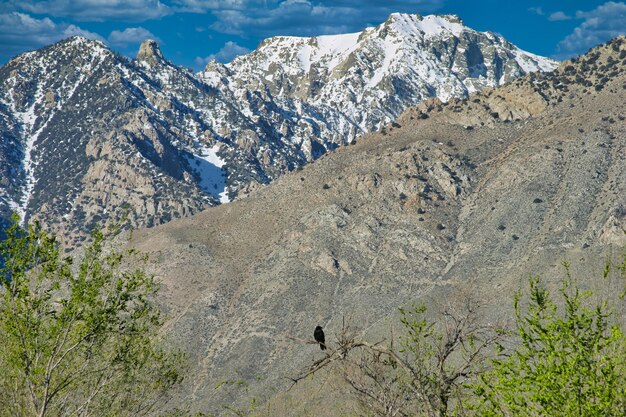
point(428, 26)
point(531, 62)
point(208, 166)
point(305, 57)
point(29, 168)
point(391, 50)
point(332, 48)
point(27, 119)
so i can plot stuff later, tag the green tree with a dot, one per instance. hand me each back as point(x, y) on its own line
point(569, 361)
point(78, 338)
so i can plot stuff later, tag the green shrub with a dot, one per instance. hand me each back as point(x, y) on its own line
point(569, 361)
point(78, 338)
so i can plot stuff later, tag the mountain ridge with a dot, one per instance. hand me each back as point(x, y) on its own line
point(467, 196)
point(344, 63)
point(92, 137)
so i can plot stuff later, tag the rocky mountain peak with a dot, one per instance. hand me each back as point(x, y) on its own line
point(150, 53)
point(76, 48)
point(163, 143)
point(408, 25)
point(81, 41)
point(373, 75)
point(80, 45)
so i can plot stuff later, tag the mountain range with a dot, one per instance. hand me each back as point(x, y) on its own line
point(90, 137)
point(468, 196)
point(472, 164)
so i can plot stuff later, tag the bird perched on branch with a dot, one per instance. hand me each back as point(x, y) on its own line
point(318, 334)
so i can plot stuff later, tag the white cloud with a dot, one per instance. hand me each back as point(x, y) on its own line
point(601, 24)
point(131, 36)
point(557, 16)
point(536, 10)
point(97, 10)
point(203, 6)
point(20, 32)
point(301, 17)
point(229, 51)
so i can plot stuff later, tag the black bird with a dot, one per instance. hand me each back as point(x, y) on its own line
point(318, 334)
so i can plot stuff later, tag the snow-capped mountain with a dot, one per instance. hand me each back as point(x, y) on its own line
point(364, 80)
point(88, 135)
point(456, 206)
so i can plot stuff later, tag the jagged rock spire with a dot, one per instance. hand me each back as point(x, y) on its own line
point(149, 52)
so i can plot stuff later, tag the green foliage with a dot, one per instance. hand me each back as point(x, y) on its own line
point(569, 361)
point(419, 345)
point(78, 338)
point(443, 354)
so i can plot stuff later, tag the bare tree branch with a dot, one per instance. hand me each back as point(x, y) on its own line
point(428, 372)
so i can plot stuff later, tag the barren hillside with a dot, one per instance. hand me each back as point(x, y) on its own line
point(481, 191)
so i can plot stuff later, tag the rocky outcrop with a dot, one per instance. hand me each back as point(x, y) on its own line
point(150, 53)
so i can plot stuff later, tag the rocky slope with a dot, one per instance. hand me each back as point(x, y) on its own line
point(471, 193)
point(88, 136)
point(85, 139)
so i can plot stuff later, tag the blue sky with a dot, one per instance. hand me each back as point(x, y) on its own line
point(192, 32)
